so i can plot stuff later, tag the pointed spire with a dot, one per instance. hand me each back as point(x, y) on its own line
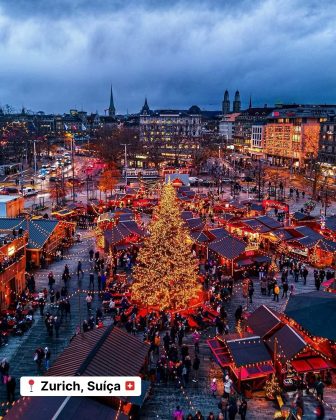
point(111, 109)
point(145, 109)
point(250, 104)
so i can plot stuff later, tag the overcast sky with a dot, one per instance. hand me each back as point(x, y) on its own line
point(61, 54)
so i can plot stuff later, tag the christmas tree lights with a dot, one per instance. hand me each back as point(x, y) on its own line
point(166, 273)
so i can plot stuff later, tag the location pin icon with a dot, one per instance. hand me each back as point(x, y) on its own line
point(31, 383)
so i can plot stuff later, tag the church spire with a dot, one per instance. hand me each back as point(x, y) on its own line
point(145, 109)
point(226, 103)
point(111, 109)
point(237, 102)
point(250, 104)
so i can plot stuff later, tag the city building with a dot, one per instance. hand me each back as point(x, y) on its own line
point(257, 140)
point(174, 133)
point(11, 205)
point(243, 126)
point(327, 150)
point(292, 136)
point(168, 125)
point(226, 127)
point(12, 266)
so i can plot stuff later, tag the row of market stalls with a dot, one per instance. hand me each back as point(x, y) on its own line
point(299, 345)
point(303, 240)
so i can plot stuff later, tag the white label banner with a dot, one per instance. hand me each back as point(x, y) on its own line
point(85, 386)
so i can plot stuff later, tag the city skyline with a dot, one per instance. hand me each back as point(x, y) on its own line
point(64, 55)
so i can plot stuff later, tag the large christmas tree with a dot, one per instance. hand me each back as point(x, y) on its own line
point(166, 272)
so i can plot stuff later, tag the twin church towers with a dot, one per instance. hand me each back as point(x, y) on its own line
point(226, 103)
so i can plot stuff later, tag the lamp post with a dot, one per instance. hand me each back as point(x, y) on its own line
point(125, 162)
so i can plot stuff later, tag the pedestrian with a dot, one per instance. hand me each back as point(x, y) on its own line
point(196, 338)
point(250, 290)
point(284, 289)
point(79, 270)
point(41, 305)
point(211, 416)
point(178, 414)
point(196, 366)
point(67, 308)
point(57, 325)
point(52, 295)
point(213, 387)
point(4, 370)
point(89, 302)
point(319, 387)
point(91, 254)
point(10, 386)
point(276, 292)
point(304, 275)
point(38, 357)
point(51, 280)
point(227, 386)
point(99, 281)
point(91, 280)
point(242, 409)
point(47, 355)
point(198, 416)
point(232, 409)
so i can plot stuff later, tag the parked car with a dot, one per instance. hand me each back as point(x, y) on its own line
point(9, 190)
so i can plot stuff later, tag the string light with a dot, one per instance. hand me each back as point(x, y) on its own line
point(166, 273)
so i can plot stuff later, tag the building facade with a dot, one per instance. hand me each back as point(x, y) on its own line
point(12, 267)
point(327, 151)
point(292, 137)
point(257, 140)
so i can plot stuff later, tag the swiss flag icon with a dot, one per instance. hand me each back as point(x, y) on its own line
point(130, 385)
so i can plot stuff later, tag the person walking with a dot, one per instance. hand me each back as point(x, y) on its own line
point(196, 338)
point(213, 387)
point(319, 387)
point(80, 270)
point(232, 408)
point(178, 414)
point(47, 355)
point(91, 280)
point(67, 308)
point(276, 292)
point(10, 387)
point(57, 325)
point(88, 300)
point(196, 366)
point(227, 386)
point(243, 409)
point(284, 289)
point(304, 274)
point(250, 290)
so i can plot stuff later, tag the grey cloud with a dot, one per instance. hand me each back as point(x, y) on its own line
point(58, 54)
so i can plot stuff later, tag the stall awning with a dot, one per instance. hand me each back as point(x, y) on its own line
point(244, 262)
point(248, 373)
point(262, 259)
point(220, 352)
point(311, 364)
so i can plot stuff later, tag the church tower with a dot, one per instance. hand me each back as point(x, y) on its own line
point(145, 109)
point(226, 103)
point(111, 108)
point(236, 102)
